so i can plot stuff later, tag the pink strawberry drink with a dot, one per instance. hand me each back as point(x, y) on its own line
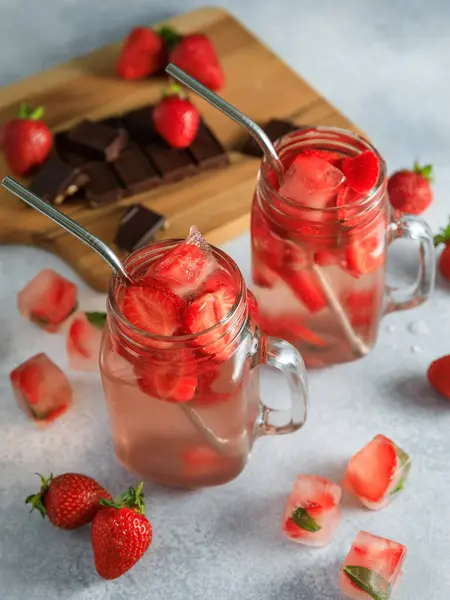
point(319, 246)
point(179, 364)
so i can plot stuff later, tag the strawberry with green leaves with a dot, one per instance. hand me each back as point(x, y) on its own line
point(121, 533)
point(444, 260)
point(142, 54)
point(68, 501)
point(176, 119)
point(410, 190)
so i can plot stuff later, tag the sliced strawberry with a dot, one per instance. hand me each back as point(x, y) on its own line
point(185, 267)
point(307, 288)
point(361, 307)
point(365, 255)
point(167, 383)
point(372, 469)
point(332, 157)
point(292, 530)
point(345, 199)
point(326, 258)
point(361, 171)
point(153, 310)
point(206, 311)
point(217, 280)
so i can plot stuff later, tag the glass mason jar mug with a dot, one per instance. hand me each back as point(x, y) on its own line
point(318, 265)
point(203, 437)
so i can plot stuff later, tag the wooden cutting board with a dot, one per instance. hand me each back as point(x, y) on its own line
point(218, 202)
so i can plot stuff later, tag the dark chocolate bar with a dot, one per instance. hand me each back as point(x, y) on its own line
point(139, 125)
point(172, 164)
point(206, 149)
point(114, 122)
point(74, 159)
point(274, 129)
point(96, 141)
point(103, 187)
point(137, 227)
point(135, 171)
point(56, 180)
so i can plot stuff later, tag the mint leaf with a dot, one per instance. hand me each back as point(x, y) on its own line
point(370, 582)
point(405, 465)
point(96, 318)
point(39, 320)
point(303, 520)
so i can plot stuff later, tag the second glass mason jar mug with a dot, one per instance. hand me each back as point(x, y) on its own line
point(204, 438)
point(319, 274)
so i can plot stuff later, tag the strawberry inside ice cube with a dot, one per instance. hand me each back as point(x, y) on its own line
point(311, 181)
point(185, 267)
point(377, 473)
point(372, 568)
point(312, 511)
point(48, 299)
point(84, 339)
point(41, 389)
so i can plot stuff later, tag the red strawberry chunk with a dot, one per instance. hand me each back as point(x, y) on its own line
point(362, 307)
point(332, 157)
point(365, 255)
point(307, 288)
point(152, 309)
point(346, 201)
point(142, 54)
point(83, 341)
point(41, 389)
point(47, 300)
point(311, 181)
point(170, 382)
point(185, 267)
point(196, 55)
point(361, 171)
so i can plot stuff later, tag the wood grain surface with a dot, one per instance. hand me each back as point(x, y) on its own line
point(218, 202)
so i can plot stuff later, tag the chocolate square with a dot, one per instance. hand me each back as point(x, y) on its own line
point(56, 180)
point(139, 125)
point(274, 129)
point(134, 171)
point(137, 227)
point(103, 187)
point(171, 163)
point(206, 149)
point(96, 141)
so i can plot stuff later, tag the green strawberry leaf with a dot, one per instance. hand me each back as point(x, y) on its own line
point(443, 237)
point(426, 171)
point(303, 520)
point(96, 318)
point(170, 36)
point(370, 582)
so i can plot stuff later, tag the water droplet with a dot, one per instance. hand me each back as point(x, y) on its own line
point(391, 328)
point(415, 349)
point(419, 328)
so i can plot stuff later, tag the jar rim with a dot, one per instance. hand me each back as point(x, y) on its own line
point(326, 135)
point(149, 251)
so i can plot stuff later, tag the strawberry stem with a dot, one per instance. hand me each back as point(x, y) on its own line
point(32, 114)
point(173, 89)
point(131, 498)
point(37, 501)
point(443, 237)
point(170, 36)
point(425, 171)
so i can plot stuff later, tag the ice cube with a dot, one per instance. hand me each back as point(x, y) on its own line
point(312, 511)
point(372, 568)
point(41, 389)
point(311, 181)
point(84, 339)
point(47, 300)
point(186, 266)
point(377, 473)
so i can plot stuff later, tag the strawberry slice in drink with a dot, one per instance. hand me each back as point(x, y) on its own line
point(171, 379)
point(362, 306)
point(47, 300)
point(84, 339)
point(377, 473)
point(307, 288)
point(312, 511)
point(372, 568)
point(41, 389)
point(186, 266)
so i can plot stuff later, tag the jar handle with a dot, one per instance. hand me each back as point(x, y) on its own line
point(283, 356)
point(413, 228)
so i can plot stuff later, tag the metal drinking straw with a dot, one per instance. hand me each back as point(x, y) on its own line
point(358, 346)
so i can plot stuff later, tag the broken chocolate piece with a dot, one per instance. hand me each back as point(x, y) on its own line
point(274, 129)
point(139, 125)
point(172, 164)
point(55, 181)
point(135, 171)
point(96, 141)
point(206, 149)
point(103, 187)
point(137, 227)
point(114, 122)
point(74, 159)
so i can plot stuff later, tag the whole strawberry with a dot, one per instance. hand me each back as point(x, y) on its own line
point(410, 191)
point(69, 501)
point(444, 259)
point(176, 119)
point(120, 534)
point(196, 55)
point(143, 53)
point(26, 140)
point(439, 375)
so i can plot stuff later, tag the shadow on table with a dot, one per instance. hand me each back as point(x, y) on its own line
point(415, 389)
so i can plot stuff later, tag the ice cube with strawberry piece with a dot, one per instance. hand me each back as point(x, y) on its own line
point(47, 300)
point(312, 512)
point(41, 389)
point(372, 568)
point(377, 473)
point(185, 267)
point(84, 339)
